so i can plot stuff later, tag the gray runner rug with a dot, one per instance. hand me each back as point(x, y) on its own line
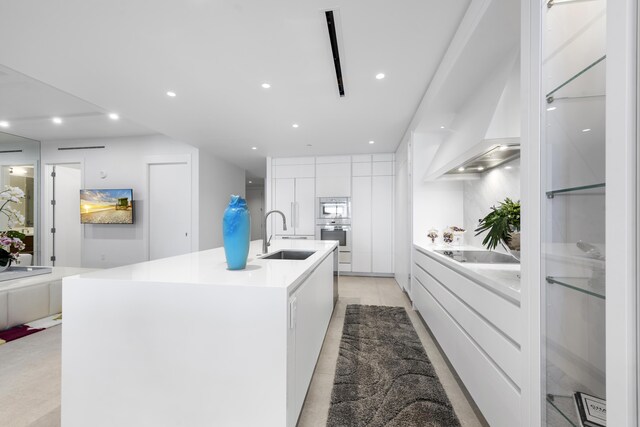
point(383, 376)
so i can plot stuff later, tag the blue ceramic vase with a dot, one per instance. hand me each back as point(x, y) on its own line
point(236, 232)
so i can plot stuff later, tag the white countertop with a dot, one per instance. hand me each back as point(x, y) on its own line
point(504, 278)
point(210, 268)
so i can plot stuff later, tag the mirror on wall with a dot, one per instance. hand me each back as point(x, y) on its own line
point(19, 167)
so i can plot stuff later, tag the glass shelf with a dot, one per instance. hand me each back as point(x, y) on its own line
point(551, 194)
point(565, 407)
point(550, 97)
point(551, 3)
point(580, 284)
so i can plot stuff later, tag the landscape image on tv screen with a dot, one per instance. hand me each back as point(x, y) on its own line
point(106, 206)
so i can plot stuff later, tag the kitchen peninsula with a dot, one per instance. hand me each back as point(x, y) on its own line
point(184, 341)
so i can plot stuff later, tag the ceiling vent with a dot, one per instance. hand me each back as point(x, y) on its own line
point(333, 39)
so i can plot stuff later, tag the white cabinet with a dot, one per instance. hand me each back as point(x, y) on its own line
point(361, 224)
point(333, 180)
point(310, 308)
point(295, 198)
point(382, 224)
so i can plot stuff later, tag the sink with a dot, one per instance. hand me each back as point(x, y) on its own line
point(285, 254)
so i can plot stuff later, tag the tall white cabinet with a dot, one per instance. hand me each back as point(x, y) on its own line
point(372, 214)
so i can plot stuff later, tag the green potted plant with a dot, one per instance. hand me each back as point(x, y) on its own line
point(502, 225)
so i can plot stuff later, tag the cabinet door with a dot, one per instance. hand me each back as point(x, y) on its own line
point(284, 197)
point(333, 180)
point(311, 312)
point(304, 208)
point(382, 224)
point(361, 224)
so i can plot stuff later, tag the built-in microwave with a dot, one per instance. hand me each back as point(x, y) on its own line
point(334, 208)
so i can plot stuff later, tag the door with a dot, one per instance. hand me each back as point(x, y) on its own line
point(284, 200)
point(63, 230)
point(361, 220)
point(169, 210)
point(382, 224)
point(304, 207)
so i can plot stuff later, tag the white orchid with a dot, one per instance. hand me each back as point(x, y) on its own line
point(10, 238)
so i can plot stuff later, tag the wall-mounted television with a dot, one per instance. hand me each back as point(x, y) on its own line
point(106, 206)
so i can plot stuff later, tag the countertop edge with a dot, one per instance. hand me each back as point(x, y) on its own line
point(505, 291)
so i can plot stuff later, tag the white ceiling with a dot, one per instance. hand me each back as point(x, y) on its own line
point(124, 56)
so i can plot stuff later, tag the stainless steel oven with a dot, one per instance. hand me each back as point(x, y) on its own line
point(334, 208)
point(339, 232)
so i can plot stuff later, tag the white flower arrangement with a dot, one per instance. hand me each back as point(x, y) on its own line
point(11, 238)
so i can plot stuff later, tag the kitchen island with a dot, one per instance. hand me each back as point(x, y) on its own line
point(184, 341)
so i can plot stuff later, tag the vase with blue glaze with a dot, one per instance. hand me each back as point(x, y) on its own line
point(236, 232)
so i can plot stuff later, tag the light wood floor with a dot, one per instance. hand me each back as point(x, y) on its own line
point(30, 366)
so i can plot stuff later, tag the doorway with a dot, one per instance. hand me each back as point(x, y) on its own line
point(62, 228)
point(169, 209)
point(255, 203)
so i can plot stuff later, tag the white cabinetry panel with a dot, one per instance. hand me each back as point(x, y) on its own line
point(284, 197)
point(361, 169)
point(294, 171)
point(304, 206)
point(382, 224)
point(333, 159)
point(333, 180)
point(382, 168)
point(361, 225)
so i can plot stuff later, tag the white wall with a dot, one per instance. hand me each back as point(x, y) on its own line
point(123, 163)
point(436, 204)
point(481, 194)
point(218, 181)
point(402, 216)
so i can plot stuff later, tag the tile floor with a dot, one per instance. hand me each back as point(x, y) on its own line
point(30, 367)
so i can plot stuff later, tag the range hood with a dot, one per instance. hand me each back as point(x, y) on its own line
point(495, 156)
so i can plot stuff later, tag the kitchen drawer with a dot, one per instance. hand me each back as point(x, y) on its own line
point(497, 398)
point(502, 313)
point(504, 352)
point(345, 267)
point(344, 257)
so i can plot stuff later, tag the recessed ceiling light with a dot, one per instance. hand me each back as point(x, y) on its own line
point(250, 182)
point(114, 116)
point(295, 125)
point(171, 94)
point(507, 167)
point(461, 169)
point(380, 76)
point(57, 120)
point(372, 142)
point(441, 127)
point(4, 124)
point(586, 130)
point(254, 148)
point(480, 168)
point(266, 85)
point(551, 108)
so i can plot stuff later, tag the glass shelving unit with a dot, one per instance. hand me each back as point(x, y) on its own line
point(573, 232)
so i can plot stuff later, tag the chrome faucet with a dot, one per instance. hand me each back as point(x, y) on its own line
point(265, 242)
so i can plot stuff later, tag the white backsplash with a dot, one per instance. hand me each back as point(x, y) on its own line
point(480, 195)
